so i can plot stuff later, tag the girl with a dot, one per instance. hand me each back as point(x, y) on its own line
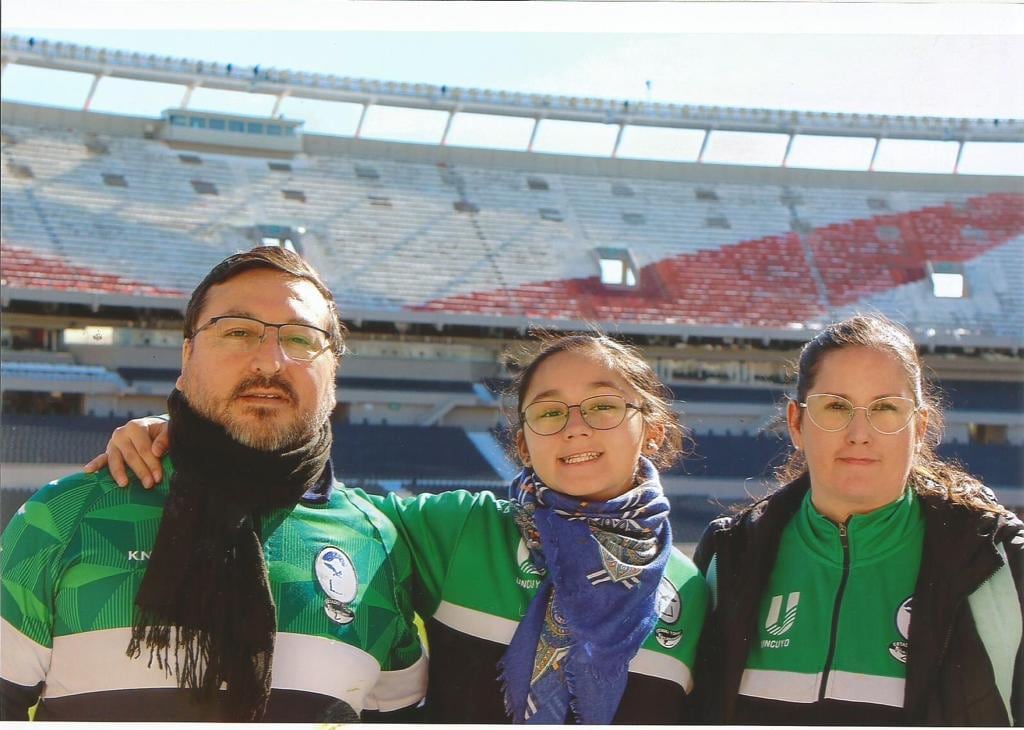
point(565, 602)
point(879, 585)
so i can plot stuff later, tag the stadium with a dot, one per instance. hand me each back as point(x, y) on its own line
point(443, 258)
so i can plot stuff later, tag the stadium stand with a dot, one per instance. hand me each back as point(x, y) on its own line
point(361, 452)
point(753, 457)
point(31, 439)
point(24, 267)
point(441, 258)
point(392, 237)
point(363, 455)
point(978, 395)
point(403, 452)
point(159, 375)
point(395, 384)
point(133, 374)
point(701, 394)
point(691, 514)
point(737, 456)
point(998, 465)
point(58, 374)
point(773, 280)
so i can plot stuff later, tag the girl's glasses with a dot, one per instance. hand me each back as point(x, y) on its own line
point(600, 412)
point(834, 413)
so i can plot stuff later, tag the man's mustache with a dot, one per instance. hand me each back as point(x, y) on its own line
point(261, 382)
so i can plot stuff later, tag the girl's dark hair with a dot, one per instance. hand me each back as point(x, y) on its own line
point(655, 398)
point(928, 473)
point(275, 258)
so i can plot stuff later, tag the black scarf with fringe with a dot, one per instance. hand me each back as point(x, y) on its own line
point(205, 599)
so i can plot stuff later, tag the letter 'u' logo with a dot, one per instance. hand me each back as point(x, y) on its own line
point(772, 623)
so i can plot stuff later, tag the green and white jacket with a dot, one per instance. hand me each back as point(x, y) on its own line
point(834, 619)
point(910, 614)
point(72, 559)
point(474, 581)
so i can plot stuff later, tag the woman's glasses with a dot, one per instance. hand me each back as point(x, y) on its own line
point(834, 413)
point(600, 412)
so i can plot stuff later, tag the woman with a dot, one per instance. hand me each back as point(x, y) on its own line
point(566, 602)
point(879, 585)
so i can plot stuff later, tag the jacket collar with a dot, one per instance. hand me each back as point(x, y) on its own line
point(871, 537)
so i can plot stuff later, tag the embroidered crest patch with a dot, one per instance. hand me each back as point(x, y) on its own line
point(667, 602)
point(667, 638)
point(337, 577)
point(898, 649)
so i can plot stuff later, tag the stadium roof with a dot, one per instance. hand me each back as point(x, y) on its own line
point(283, 83)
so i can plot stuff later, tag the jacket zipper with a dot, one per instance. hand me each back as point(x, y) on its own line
point(844, 541)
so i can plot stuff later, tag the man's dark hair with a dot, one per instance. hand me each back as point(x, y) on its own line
point(265, 257)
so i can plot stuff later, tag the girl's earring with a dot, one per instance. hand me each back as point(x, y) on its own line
point(652, 446)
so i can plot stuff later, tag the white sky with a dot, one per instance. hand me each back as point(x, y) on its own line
point(913, 59)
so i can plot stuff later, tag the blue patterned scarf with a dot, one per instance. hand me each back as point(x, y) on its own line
point(602, 562)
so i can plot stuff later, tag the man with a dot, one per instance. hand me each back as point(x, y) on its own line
point(247, 585)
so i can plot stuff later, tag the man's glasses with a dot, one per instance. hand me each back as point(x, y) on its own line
point(601, 412)
point(834, 413)
point(244, 334)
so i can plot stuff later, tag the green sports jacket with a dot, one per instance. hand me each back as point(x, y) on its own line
point(474, 581)
point(834, 619)
point(908, 615)
point(72, 559)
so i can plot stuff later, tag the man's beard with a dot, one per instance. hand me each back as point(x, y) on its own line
point(260, 430)
point(263, 437)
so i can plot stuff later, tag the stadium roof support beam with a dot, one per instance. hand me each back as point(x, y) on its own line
point(789, 148)
point(92, 92)
point(533, 134)
point(618, 139)
point(959, 156)
point(277, 102)
point(448, 127)
point(704, 145)
point(362, 118)
point(874, 154)
point(187, 97)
